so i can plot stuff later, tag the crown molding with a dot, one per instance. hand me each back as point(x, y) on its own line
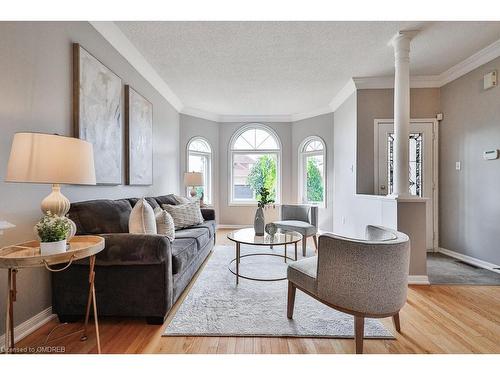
point(195, 112)
point(478, 59)
point(255, 118)
point(481, 57)
point(387, 82)
point(317, 112)
point(344, 93)
point(124, 46)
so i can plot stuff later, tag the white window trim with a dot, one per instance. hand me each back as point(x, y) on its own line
point(210, 169)
point(301, 172)
point(231, 153)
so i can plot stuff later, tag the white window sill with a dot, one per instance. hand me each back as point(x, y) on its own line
point(248, 204)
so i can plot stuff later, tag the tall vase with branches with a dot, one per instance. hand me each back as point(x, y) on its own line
point(263, 202)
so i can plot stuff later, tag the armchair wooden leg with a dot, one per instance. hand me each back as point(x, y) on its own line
point(315, 238)
point(359, 332)
point(304, 246)
point(395, 320)
point(291, 300)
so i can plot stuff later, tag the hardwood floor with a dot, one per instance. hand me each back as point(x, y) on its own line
point(436, 319)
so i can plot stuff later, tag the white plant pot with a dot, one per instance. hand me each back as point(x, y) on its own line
point(49, 248)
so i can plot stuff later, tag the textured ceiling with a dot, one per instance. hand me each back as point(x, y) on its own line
point(284, 68)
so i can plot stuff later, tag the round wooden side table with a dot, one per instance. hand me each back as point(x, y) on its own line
point(27, 255)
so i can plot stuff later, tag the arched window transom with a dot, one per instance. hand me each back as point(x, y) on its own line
point(199, 159)
point(255, 154)
point(312, 171)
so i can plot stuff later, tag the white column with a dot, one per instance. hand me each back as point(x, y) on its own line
point(401, 44)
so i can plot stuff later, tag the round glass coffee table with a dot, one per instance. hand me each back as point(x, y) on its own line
point(247, 236)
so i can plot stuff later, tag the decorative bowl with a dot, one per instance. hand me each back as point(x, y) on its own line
point(271, 229)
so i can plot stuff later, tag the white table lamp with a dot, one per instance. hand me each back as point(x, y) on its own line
point(193, 179)
point(51, 159)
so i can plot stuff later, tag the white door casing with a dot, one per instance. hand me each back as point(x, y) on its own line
point(429, 130)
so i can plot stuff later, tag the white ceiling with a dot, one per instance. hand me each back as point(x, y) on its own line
point(285, 68)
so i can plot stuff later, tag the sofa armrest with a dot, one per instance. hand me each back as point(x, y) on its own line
point(208, 213)
point(134, 249)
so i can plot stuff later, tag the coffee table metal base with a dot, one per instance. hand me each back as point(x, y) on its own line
point(239, 275)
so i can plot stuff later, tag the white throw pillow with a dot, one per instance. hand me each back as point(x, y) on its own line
point(164, 223)
point(142, 218)
point(185, 215)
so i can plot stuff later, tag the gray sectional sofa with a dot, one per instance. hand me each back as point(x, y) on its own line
point(136, 275)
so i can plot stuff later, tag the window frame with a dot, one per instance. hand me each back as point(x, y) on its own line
point(209, 155)
point(232, 152)
point(302, 172)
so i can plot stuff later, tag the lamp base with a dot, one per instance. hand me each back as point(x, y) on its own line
point(59, 205)
point(192, 193)
point(55, 202)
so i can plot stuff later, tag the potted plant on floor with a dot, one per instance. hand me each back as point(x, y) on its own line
point(53, 231)
point(263, 202)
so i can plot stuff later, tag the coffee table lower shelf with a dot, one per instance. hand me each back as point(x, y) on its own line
point(239, 275)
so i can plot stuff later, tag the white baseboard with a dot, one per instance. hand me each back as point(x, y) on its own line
point(468, 259)
point(32, 324)
point(418, 280)
point(233, 226)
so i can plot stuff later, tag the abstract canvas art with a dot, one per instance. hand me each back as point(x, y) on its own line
point(97, 110)
point(139, 135)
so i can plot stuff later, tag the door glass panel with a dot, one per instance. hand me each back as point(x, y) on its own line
point(415, 163)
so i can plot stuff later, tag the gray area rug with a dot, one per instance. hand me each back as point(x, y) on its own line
point(443, 269)
point(216, 306)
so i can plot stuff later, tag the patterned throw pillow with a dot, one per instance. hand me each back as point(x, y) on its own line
point(185, 215)
point(182, 200)
point(142, 218)
point(164, 223)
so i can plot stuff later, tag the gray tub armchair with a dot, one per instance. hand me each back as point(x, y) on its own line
point(300, 218)
point(364, 278)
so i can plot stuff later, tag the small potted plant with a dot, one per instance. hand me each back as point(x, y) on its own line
point(263, 202)
point(53, 231)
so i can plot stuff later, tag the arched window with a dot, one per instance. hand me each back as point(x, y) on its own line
point(255, 154)
point(199, 159)
point(312, 171)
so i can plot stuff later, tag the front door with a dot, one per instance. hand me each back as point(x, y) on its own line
point(421, 167)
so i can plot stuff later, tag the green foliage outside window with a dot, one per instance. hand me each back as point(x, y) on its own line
point(315, 189)
point(263, 175)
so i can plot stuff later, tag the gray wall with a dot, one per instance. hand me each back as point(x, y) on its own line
point(197, 127)
point(36, 95)
point(344, 156)
point(378, 104)
point(290, 134)
point(321, 126)
point(469, 199)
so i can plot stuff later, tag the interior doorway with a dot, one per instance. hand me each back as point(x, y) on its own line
point(423, 167)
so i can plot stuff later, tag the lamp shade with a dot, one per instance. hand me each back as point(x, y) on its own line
point(193, 179)
point(50, 159)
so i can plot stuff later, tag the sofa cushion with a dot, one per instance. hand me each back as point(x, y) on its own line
point(209, 224)
point(184, 251)
point(201, 235)
point(165, 199)
point(101, 216)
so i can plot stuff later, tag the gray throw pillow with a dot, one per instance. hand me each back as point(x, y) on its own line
point(164, 223)
point(185, 215)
